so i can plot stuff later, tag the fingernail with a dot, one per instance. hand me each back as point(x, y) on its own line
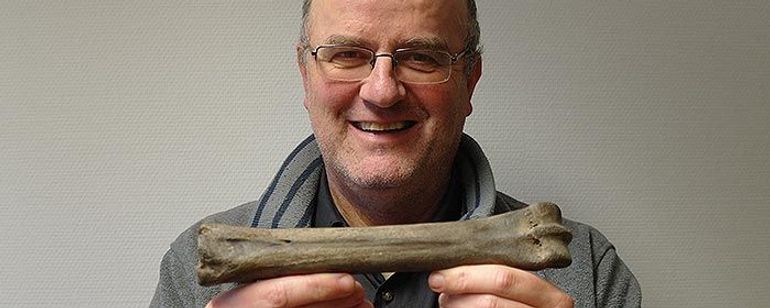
point(442, 299)
point(436, 281)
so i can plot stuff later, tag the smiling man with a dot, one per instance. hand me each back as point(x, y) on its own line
point(388, 85)
point(387, 97)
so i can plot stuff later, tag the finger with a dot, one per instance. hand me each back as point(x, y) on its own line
point(514, 284)
point(355, 300)
point(289, 291)
point(477, 300)
point(342, 303)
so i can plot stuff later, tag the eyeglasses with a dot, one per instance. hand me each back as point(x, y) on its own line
point(416, 66)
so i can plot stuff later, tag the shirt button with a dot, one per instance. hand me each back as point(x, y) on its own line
point(387, 296)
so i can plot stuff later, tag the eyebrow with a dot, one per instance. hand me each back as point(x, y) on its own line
point(344, 41)
point(430, 43)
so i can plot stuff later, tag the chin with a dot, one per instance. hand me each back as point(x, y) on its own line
point(378, 175)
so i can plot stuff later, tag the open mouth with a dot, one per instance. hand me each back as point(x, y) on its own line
point(383, 127)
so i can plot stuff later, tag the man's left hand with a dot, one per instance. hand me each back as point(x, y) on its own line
point(495, 286)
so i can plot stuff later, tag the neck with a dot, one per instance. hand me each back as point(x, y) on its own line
point(361, 206)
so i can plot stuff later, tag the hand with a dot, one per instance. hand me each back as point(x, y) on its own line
point(316, 290)
point(495, 286)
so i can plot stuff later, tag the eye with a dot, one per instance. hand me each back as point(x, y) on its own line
point(344, 57)
point(426, 61)
point(422, 57)
point(348, 54)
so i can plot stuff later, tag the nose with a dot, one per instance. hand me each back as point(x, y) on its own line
point(382, 88)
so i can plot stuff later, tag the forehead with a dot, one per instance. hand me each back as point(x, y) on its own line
point(388, 23)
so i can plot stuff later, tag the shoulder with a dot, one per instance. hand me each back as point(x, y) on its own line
point(603, 279)
point(597, 276)
point(178, 281)
point(584, 237)
point(238, 216)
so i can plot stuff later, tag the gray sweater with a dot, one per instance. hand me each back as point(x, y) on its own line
point(597, 277)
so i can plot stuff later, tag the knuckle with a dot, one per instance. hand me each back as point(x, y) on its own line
point(565, 301)
point(504, 280)
point(320, 288)
point(275, 296)
point(461, 281)
point(488, 301)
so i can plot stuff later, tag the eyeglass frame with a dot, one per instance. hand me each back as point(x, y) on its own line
point(454, 58)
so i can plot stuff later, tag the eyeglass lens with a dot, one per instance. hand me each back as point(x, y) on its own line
point(411, 66)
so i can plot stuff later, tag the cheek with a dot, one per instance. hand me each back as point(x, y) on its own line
point(448, 103)
point(321, 95)
point(328, 102)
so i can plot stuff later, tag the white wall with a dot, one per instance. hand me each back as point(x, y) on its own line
point(121, 123)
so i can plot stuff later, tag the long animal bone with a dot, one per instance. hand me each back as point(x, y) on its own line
point(531, 238)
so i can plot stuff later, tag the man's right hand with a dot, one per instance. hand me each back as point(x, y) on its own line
point(315, 290)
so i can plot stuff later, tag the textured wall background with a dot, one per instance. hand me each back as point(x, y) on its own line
point(122, 123)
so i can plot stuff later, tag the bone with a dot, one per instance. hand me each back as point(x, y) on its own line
point(531, 238)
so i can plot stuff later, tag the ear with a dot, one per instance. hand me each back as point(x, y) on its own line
point(474, 77)
point(471, 82)
point(302, 66)
point(302, 63)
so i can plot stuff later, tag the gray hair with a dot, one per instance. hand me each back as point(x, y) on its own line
point(472, 36)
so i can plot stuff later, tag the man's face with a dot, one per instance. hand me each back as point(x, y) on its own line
point(379, 132)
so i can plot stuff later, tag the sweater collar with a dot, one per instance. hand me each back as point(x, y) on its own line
point(289, 200)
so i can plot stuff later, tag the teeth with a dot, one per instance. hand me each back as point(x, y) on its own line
point(377, 127)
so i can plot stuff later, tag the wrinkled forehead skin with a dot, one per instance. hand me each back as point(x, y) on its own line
point(386, 24)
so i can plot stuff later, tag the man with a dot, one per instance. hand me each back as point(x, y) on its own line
point(388, 86)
